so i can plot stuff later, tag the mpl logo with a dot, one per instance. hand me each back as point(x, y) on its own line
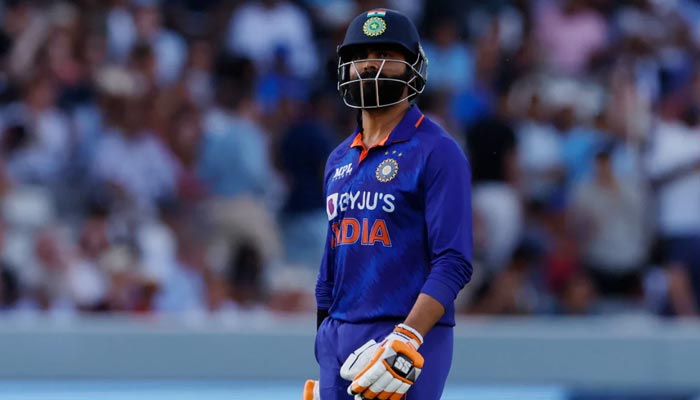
point(342, 172)
point(332, 206)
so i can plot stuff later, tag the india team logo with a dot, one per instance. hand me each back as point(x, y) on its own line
point(387, 170)
point(374, 26)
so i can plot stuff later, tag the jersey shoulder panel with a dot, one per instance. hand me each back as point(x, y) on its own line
point(338, 153)
point(434, 137)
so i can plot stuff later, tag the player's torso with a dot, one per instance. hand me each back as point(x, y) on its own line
point(376, 213)
point(367, 201)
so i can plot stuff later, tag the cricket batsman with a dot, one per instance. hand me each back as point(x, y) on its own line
point(399, 242)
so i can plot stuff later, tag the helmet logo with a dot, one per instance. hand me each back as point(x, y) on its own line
point(374, 26)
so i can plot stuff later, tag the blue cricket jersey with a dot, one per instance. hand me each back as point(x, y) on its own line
point(400, 224)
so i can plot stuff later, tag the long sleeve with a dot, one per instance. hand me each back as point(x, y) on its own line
point(448, 217)
point(324, 283)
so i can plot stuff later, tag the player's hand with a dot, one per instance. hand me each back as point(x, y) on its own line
point(311, 391)
point(385, 370)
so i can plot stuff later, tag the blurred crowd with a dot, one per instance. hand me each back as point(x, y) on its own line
point(167, 155)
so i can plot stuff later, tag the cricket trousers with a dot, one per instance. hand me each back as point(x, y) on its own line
point(335, 341)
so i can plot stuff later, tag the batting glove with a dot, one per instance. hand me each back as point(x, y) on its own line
point(385, 370)
point(311, 391)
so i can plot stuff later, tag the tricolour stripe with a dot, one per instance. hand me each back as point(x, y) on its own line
point(376, 13)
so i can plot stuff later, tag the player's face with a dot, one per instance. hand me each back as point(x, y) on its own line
point(385, 60)
point(377, 66)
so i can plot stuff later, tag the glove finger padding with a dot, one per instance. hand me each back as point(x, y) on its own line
point(392, 370)
point(386, 385)
point(358, 360)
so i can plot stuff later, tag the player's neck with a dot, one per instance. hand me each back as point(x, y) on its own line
point(377, 124)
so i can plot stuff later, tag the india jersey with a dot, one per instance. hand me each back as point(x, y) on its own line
point(399, 224)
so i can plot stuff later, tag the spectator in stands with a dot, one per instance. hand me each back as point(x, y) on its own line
point(65, 283)
point(131, 160)
point(451, 61)
point(492, 146)
point(571, 33)
point(611, 223)
point(235, 159)
point(169, 48)
point(184, 136)
point(577, 296)
point(245, 277)
point(674, 167)
point(514, 289)
point(304, 148)
point(9, 288)
point(199, 73)
point(48, 143)
point(184, 288)
point(186, 100)
point(540, 154)
point(259, 29)
point(9, 283)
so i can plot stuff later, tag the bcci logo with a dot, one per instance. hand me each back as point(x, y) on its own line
point(374, 26)
point(387, 170)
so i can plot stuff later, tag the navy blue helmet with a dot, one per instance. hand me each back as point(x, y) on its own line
point(373, 29)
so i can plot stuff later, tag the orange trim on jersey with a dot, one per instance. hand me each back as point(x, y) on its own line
point(420, 120)
point(357, 142)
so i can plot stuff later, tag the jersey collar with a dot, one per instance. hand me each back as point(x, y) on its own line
point(401, 132)
point(408, 126)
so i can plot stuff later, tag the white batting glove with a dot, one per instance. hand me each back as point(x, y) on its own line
point(385, 370)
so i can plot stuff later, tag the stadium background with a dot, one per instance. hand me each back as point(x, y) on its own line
point(160, 190)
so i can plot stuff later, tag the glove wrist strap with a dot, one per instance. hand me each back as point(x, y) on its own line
point(411, 333)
